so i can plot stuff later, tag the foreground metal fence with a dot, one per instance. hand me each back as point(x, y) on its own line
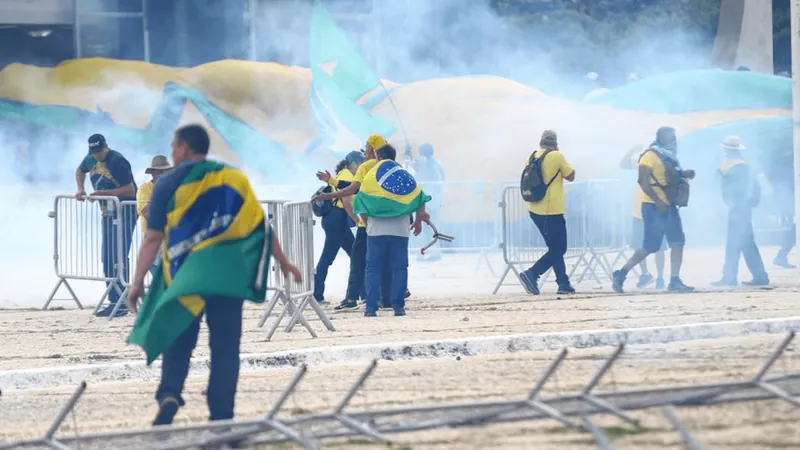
point(598, 218)
point(575, 410)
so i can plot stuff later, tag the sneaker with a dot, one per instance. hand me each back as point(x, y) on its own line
point(725, 283)
point(676, 285)
point(783, 262)
point(166, 411)
point(529, 283)
point(370, 314)
point(660, 284)
point(644, 281)
point(347, 305)
point(617, 281)
point(106, 312)
point(322, 301)
point(757, 282)
point(566, 289)
point(399, 312)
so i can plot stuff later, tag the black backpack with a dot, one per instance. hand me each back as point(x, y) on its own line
point(321, 209)
point(531, 183)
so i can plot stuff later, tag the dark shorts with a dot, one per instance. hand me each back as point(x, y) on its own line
point(659, 225)
point(637, 236)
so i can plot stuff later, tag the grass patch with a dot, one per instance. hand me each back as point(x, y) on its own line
point(299, 411)
point(617, 432)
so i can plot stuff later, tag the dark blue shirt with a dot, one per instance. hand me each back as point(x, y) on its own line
point(163, 191)
point(111, 173)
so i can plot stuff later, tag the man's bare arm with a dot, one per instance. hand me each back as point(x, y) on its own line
point(645, 174)
point(346, 192)
point(80, 179)
point(147, 254)
point(123, 191)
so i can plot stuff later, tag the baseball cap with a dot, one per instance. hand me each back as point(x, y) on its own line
point(376, 141)
point(354, 157)
point(97, 142)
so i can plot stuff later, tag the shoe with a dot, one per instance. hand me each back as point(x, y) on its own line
point(617, 281)
point(725, 283)
point(370, 314)
point(529, 283)
point(660, 283)
point(676, 285)
point(399, 312)
point(566, 290)
point(166, 411)
point(106, 312)
point(347, 305)
point(757, 282)
point(783, 262)
point(408, 293)
point(322, 301)
point(644, 281)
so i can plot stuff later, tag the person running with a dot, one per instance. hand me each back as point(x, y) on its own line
point(659, 173)
point(217, 245)
point(548, 216)
point(630, 162)
point(336, 225)
point(111, 176)
point(741, 193)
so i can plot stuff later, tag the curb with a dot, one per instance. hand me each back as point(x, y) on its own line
point(475, 346)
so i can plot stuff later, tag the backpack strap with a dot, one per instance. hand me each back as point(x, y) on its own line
point(541, 158)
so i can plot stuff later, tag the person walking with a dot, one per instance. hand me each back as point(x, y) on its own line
point(660, 174)
point(741, 192)
point(630, 162)
point(217, 246)
point(393, 204)
point(548, 215)
point(336, 224)
point(158, 166)
point(111, 176)
point(429, 172)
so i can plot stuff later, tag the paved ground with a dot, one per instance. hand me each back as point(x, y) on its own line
point(32, 339)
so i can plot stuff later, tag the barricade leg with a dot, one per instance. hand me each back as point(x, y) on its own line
point(52, 296)
point(289, 307)
point(103, 299)
point(122, 296)
point(509, 268)
point(298, 315)
point(484, 257)
point(268, 310)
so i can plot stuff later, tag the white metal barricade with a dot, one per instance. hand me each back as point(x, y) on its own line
point(293, 223)
point(88, 244)
point(598, 221)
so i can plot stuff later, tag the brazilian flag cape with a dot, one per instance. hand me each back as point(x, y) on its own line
point(389, 190)
point(216, 243)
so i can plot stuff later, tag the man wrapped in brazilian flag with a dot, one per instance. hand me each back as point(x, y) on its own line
point(216, 250)
point(393, 203)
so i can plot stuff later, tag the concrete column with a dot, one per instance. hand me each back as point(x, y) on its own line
point(744, 35)
point(795, 24)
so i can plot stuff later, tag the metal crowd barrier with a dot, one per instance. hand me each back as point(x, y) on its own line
point(598, 218)
point(465, 210)
point(87, 245)
point(293, 223)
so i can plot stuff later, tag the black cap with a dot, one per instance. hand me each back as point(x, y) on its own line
point(97, 142)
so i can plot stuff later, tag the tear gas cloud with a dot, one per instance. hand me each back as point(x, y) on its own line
point(407, 41)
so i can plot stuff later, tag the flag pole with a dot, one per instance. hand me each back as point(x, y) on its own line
point(794, 12)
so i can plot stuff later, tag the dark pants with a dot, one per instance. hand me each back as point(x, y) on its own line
point(660, 224)
point(383, 252)
point(224, 318)
point(741, 241)
point(356, 282)
point(110, 247)
point(337, 236)
point(554, 231)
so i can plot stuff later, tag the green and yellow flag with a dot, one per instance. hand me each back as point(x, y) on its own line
point(217, 243)
point(389, 190)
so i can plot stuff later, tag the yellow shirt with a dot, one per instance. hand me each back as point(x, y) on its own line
point(363, 169)
point(143, 195)
point(345, 175)
point(651, 160)
point(554, 167)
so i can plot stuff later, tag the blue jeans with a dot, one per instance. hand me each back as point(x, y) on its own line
point(337, 236)
point(110, 254)
point(224, 318)
point(391, 251)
